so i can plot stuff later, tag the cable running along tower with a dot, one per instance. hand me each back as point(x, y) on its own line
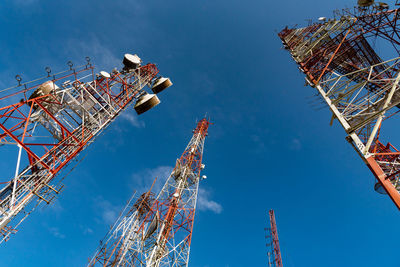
point(274, 251)
point(360, 87)
point(157, 231)
point(53, 119)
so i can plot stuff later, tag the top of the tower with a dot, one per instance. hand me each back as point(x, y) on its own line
point(202, 127)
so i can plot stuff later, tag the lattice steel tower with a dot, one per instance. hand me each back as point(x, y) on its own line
point(52, 122)
point(360, 87)
point(157, 231)
point(274, 250)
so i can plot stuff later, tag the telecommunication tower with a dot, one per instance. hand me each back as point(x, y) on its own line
point(157, 231)
point(274, 251)
point(53, 119)
point(360, 87)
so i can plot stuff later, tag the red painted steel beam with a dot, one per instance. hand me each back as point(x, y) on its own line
point(24, 147)
point(275, 239)
point(384, 181)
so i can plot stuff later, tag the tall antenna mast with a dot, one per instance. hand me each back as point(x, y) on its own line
point(274, 251)
point(157, 231)
point(51, 120)
point(360, 87)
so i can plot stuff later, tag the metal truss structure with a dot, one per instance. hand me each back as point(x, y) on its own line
point(157, 231)
point(52, 122)
point(360, 87)
point(274, 251)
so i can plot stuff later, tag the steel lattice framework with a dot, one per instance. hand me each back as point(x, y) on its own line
point(274, 253)
point(158, 231)
point(361, 89)
point(52, 124)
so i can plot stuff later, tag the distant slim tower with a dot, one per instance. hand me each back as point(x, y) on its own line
point(339, 57)
point(157, 231)
point(274, 251)
point(51, 120)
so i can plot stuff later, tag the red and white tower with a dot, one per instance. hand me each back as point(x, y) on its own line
point(359, 85)
point(52, 119)
point(274, 251)
point(157, 231)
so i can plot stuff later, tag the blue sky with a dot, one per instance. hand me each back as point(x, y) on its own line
point(269, 146)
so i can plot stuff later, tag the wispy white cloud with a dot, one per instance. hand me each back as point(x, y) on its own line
point(56, 232)
point(132, 119)
point(56, 207)
point(259, 143)
point(100, 55)
point(85, 230)
point(295, 144)
point(204, 203)
point(108, 212)
point(144, 179)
